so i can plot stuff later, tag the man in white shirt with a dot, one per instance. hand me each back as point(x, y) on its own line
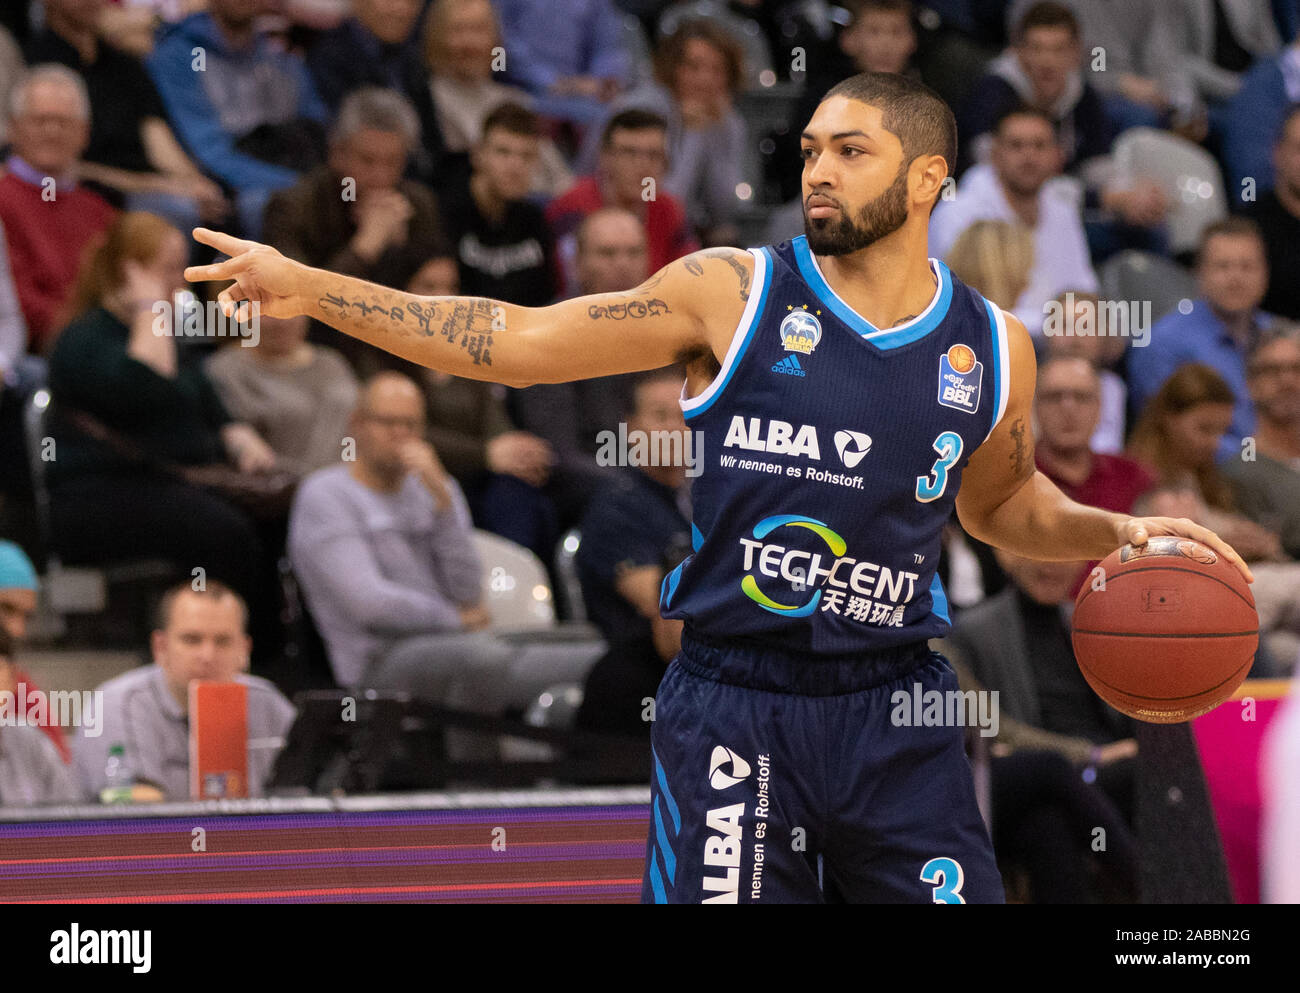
point(1018, 185)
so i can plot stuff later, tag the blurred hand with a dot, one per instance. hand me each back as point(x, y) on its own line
point(521, 454)
point(1145, 205)
point(1125, 748)
point(382, 219)
point(250, 452)
point(1142, 90)
point(419, 458)
point(474, 618)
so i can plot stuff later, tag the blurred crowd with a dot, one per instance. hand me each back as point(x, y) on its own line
point(1128, 185)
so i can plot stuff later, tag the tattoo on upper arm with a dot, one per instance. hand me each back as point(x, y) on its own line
point(727, 255)
point(468, 322)
point(634, 309)
point(1022, 456)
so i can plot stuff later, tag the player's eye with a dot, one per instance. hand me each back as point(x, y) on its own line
point(805, 153)
point(852, 151)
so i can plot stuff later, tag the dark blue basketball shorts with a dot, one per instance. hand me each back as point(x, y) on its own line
point(780, 779)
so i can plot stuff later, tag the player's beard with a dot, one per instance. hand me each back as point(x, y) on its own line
point(882, 216)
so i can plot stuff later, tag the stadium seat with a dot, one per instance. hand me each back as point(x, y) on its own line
point(516, 590)
point(1188, 174)
point(82, 589)
point(566, 570)
point(1134, 275)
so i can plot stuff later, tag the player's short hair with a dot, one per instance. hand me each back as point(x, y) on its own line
point(923, 122)
point(515, 119)
point(375, 108)
point(634, 119)
point(212, 588)
point(1047, 14)
point(1237, 227)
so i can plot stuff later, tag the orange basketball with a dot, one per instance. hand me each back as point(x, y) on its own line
point(1165, 631)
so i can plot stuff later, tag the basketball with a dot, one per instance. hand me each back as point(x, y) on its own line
point(1166, 631)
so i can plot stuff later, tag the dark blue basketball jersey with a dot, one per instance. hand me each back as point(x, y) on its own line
point(831, 456)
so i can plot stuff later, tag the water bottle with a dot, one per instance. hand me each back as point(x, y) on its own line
point(118, 779)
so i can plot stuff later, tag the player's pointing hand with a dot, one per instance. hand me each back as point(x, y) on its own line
point(261, 276)
point(1136, 531)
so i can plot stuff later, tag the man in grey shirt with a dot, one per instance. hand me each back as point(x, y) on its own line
point(32, 774)
point(200, 635)
point(383, 547)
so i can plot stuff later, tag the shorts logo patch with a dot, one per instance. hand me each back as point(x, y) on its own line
point(724, 756)
point(960, 375)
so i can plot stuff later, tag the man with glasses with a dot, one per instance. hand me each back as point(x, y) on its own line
point(1268, 485)
point(629, 174)
point(48, 219)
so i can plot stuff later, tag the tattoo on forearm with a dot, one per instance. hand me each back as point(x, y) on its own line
point(468, 322)
point(634, 309)
point(1022, 456)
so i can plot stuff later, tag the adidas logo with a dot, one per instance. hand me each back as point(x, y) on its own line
point(790, 366)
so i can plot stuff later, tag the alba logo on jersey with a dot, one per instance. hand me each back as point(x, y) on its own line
point(800, 331)
point(960, 375)
point(724, 756)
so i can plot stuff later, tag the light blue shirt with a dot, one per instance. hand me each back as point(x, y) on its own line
point(1198, 336)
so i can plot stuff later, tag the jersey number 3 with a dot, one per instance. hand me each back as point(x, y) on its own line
point(948, 445)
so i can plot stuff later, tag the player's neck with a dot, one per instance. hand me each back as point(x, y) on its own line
point(888, 282)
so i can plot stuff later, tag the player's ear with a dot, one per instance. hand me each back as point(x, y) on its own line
point(928, 172)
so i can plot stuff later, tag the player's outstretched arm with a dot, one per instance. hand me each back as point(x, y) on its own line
point(1004, 501)
point(671, 317)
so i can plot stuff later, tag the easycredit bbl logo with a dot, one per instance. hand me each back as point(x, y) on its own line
point(772, 554)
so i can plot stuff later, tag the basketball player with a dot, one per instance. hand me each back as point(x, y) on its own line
point(846, 387)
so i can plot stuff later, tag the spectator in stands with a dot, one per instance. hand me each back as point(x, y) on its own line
point(32, 774)
point(48, 219)
point(132, 150)
point(502, 241)
point(1016, 185)
point(568, 53)
point(501, 469)
point(1018, 643)
point(19, 590)
point(1067, 407)
point(1218, 327)
point(700, 70)
point(357, 215)
point(461, 41)
point(1277, 212)
point(200, 634)
point(1042, 68)
point(1066, 410)
point(11, 70)
point(118, 384)
point(295, 394)
point(1267, 486)
point(1177, 437)
point(1217, 40)
point(376, 48)
point(1254, 118)
point(251, 117)
point(630, 174)
point(13, 329)
point(752, 24)
point(383, 547)
point(1141, 79)
point(1079, 325)
point(635, 531)
point(879, 36)
point(569, 416)
point(995, 259)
